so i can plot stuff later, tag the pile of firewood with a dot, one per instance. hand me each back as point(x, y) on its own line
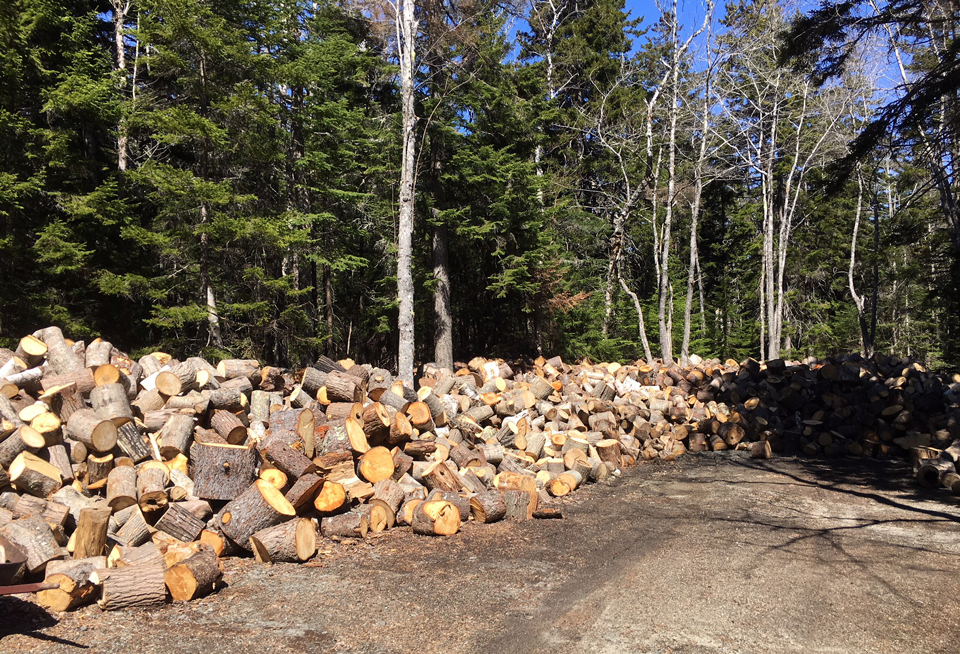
point(133, 478)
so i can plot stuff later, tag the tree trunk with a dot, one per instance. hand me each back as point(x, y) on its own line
point(443, 337)
point(206, 288)
point(406, 27)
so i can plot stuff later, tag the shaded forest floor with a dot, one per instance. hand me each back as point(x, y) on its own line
point(715, 553)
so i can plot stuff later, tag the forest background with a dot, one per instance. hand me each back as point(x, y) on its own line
point(223, 177)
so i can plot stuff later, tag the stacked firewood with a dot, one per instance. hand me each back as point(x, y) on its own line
point(125, 482)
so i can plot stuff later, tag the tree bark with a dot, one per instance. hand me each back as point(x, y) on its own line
point(443, 313)
point(406, 28)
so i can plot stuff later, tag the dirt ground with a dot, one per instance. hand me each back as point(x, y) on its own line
point(715, 553)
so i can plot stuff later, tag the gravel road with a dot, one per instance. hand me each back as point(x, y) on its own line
point(711, 554)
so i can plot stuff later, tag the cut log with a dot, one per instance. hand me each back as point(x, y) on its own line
point(389, 495)
point(32, 350)
point(98, 434)
point(304, 490)
point(133, 442)
point(239, 368)
point(98, 469)
point(356, 436)
point(24, 439)
point(180, 523)
point(60, 356)
point(83, 380)
point(176, 435)
point(488, 506)
point(152, 479)
point(138, 585)
point(517, 505)
point(74, 587)
point(376, 464)
point(122, 488)
point(195, 576)
point(291, 542)
point(228, 426)
point(32, 475)
point(760, 450)
point(435, 518)
point(33, 536)
point(341, 387)
point(300, 421)
point(565, 483)
point(259, 507)
point(90, 538)
point(345, 525)
point(330, 498)
point(284, 454)
point(221, 472)
point(110, 402)
point(134, 531)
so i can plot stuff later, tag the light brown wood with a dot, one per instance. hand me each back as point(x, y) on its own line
point(331, 497)
point(74, 587)
point(488, 506)
point(31, 474)
point(90, 538)
point(96, 433)
point(436, 518)
point(195, 576)
point(33, 536)
point(376, 464)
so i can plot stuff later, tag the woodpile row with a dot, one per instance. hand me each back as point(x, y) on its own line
point(125, 482)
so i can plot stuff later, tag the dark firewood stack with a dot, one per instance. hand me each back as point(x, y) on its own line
point(132, 476)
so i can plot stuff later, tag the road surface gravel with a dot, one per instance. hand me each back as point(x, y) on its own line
point(714, 553)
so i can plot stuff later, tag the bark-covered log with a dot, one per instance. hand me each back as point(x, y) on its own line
point(289, 542)
point(176, 435)
point(74, 586)
point(60, 356)
point(98, 434)
point(259, 507)
point(345, 525)
point(284, 453)
point(138, 585)
point(221, 472)
point(195, 576)
point(435, 518)
point(32, 475)
point(122, 488)
point(110, 402)
point(228, 426)
point(134, 531)
point(180, 523)
point(488, 506)
point(90, 538)
point(304, 490)
point(152, 479)
point(299, 421)
point(24, 439)
point(33, 536)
